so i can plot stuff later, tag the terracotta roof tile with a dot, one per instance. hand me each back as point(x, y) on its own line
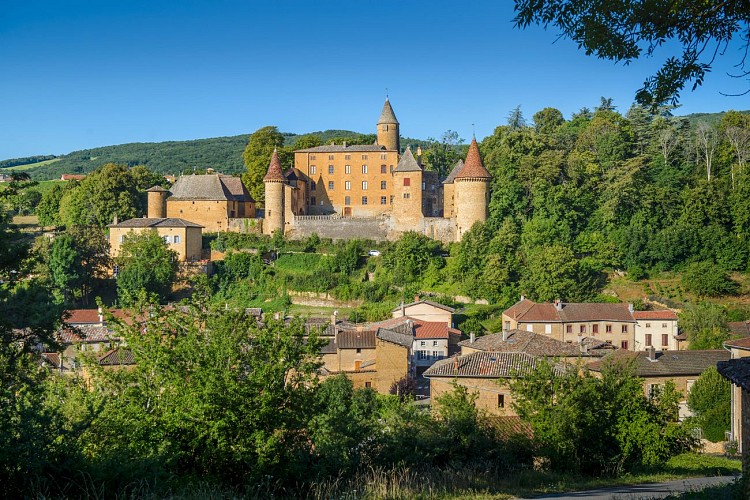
point(743, 343)
point(662, 314)
point(236, 188)
point(529, 343)
point(473, 166)
point(739, 328)
point(155, 222)
point(519, 308)
point(82, 316)
point(85, 333)
point(428, 302)
point(484, 364)
point(117, 357)
point(667, 363)
point(275, 173)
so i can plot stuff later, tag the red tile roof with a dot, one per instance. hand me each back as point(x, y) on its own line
point(418, 328)
point(473, 166)
point(739, 328)
point(743, 343)
point(275, 173)
point(663, 314)
point(527, 311)
point(82, 316)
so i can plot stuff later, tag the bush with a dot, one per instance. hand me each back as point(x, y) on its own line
point(708, 280)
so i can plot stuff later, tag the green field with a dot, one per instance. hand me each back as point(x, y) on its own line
point(32, 165)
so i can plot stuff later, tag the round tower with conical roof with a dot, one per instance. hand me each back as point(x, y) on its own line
point(157, 202)
point(274, 192)
point(471, 191)
point(388, 133)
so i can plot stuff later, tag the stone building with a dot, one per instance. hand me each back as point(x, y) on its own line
point(376, 181)
point(183, 236)
point(737, 371)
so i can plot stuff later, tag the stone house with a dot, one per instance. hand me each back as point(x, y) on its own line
point(485, 373)
point(737, 371)
point(214, 201)
point(569, 322)
point(182, 236)
point(657, 367)
point(425, 310)
point(656, 329)
point(539, 345)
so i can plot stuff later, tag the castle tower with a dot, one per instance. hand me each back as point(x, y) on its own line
point(407, 193)
point(471, 191)
point(157, 202)
point(274, 205)
point(388, 134)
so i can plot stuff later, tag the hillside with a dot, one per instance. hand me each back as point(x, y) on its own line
point(173, 157)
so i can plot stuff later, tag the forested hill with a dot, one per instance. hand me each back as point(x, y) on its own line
point(173, 157)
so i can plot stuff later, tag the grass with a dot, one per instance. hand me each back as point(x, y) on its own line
point(32, 165)
point(731, 491)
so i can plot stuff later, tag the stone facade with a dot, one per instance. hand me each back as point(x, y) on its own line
point(181, 236)
point(493, 395)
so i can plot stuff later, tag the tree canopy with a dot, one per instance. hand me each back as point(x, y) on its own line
point(625, 31)
point(145, 265)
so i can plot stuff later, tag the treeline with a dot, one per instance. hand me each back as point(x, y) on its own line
point(644, 192)
point(15, 162)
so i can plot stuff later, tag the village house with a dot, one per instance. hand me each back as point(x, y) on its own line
point(658, 367)
point(617, 324)
point(182, 236)
point(539, 345)
point(656, 329)
point(425, 310)
point(737, 371)
point(485, 373)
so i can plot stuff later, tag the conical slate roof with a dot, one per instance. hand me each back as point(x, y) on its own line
point(156, 189)
point(407, 163)
point(454, 172)
point(274, 169)
point(473, 166)
point(387, 115)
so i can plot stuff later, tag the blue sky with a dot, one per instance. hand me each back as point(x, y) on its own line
point(79, 74)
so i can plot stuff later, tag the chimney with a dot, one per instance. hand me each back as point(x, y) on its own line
point(558, 305)
point(403, 309)
point(101, 315)
point(584, 348)
point(419, 150)
point(114, 221)
point(344, 143)
point(651, 353)
point(631, 308)
point(523, 297)
point(455, 364)
point(416, 298)
point(333, 324)
point(472, 337)
point(505, 334)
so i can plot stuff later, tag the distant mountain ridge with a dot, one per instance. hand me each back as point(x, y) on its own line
point(223, 154)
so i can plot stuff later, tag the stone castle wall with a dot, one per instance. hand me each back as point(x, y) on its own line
point(341, 228)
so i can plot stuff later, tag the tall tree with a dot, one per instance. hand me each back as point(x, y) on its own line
point(627, 30)
point(257, 155)
point(145, 265)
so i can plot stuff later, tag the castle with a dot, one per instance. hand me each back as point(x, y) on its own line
point(331, 184)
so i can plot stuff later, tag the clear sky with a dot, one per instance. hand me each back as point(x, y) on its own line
point(77, 74)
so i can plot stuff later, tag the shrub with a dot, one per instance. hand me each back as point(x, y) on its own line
point(707, 279)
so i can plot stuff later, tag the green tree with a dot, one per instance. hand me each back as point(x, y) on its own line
point(547, 120)
point(598, 425)
point(145, 264)
point(706, 279)
point(710, 399)
point(410, 256)
point(48, 209)
point(705, 325)
point(629, 30)
point(257, 156)
point(65, 269)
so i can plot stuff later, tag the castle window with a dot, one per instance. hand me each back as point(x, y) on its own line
point(312, 169)
point(382, 184)
point(364, 185)
point(364, 200)
point(312, 157)
point(385, 128)
point(391, 199)
point(348, 169)
point(407, 181)
point(330, 157)
point(364, 157)
point(312, 200)
point(312, 185)
point(176, 238)
point(330, 185)
point(347, 201)
point(383, 200)
point(364, 169)
point(407, 196)
point(330, 169)
point(348, 185)
point(383, 169)
point(347, 157)
point(383, 156)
